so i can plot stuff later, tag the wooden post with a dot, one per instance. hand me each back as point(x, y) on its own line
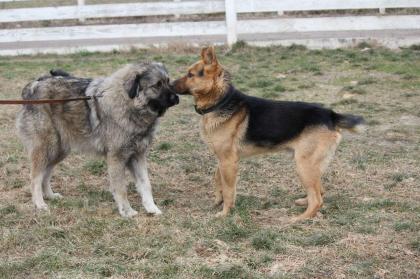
point(80, 4)
point(382, 11)
point(231, 20)
point(177, 15)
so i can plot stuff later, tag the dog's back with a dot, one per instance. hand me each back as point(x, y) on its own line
point(60, 123)
point(274, 122)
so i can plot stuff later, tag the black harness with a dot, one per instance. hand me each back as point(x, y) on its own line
point(220, 104)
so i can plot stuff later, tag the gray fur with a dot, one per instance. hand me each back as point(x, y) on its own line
point(113, 125)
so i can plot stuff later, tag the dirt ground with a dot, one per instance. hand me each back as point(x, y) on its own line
point(368, 227)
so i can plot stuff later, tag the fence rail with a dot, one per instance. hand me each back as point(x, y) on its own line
point(13, 0)
point(231, 28)
point(258, 26)
point(192, 7)
point(112, 10)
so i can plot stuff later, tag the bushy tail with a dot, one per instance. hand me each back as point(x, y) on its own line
point(353, 123)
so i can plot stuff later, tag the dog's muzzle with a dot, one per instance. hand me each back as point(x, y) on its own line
point(173, 99)
point(167, 99)
point(177, 87)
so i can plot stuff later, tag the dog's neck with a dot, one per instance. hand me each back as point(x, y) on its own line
point(219, 104)
point(215, 94)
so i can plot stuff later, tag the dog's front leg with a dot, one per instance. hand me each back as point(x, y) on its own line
point(228, 167)
point(138, 167)
point(118, 188)
point(218, 191)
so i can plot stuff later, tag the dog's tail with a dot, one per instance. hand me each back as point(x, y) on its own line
point(353, 123)
point(59, 73)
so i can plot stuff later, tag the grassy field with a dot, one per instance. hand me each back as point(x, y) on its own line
point(368, 227)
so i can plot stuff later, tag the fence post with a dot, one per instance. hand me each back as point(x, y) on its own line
point(230, 14)
point(80, 4)
point(177, 15)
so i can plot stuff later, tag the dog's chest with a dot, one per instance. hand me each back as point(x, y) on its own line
point(210, 126)
point(218, 131)
point(142, 139)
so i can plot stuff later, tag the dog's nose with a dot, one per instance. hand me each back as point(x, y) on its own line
point(174, 99)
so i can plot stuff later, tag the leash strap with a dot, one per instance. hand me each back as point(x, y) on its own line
point(44, 101)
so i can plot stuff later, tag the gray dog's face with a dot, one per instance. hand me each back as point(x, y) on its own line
point(151, 88)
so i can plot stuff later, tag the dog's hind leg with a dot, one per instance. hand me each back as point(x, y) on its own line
point(312, 156)
point(38, 172)
point(138, 167)
point(304, 201)
point(46, 186)
point(310, 177)
point(116, 169)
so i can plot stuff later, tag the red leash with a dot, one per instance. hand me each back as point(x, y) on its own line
point(44, 101)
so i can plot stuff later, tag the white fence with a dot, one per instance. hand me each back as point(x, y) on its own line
point(29, 40)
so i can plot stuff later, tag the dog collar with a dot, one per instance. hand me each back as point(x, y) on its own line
point(220, 104)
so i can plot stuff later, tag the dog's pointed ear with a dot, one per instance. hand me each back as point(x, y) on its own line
point(208, 55)
point(134, 87)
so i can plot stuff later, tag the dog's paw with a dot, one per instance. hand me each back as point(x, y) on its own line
point(42, 206)
point(153, 209)
point(221, 214)
point(301, 218)
point(294, 220)
point(128, 212)
point(301, 202)
point(54, 196)
point(218, 201)
point(217, 204)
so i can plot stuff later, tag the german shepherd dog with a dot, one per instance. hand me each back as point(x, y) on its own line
point(235, 125)
point(119, 124)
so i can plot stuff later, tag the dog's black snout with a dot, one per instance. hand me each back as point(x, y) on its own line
point(174, 99)
point(171, 97)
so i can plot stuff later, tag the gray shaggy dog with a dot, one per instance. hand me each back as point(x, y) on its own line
point(119, 124)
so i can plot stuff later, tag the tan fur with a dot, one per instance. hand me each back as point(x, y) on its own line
point(313, 148)
point(223, 136)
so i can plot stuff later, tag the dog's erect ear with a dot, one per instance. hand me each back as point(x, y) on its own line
point(208, 55)
point(135, 87)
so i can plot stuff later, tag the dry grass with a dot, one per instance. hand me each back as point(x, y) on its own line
point(368, 227)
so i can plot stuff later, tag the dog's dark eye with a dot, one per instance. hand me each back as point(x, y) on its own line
point(190, 75)
point(158, 85)
point(201, 73)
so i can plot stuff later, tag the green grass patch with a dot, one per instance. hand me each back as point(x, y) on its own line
point(264, 240)
point(415, 244)
point(234, 230)
point(97, 167)
point(405, 226)
point(9, 209)
point(164, 146)
point(260, 83)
